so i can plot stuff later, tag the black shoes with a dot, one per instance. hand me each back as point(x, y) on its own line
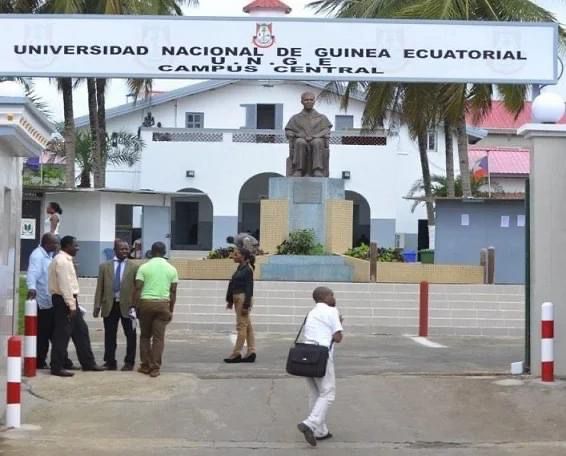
point(110, 366)
point(250, 358)
point(235, 359)
point(62, 373)
point(127, 367)
point(308, 433)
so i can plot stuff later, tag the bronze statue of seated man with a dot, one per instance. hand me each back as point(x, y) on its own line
point(308, 133)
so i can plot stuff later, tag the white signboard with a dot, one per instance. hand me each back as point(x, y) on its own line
point(277, 48)
point(28, 228)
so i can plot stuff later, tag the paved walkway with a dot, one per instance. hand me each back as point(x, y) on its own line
point(395, 397)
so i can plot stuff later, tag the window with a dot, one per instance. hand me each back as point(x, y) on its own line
point(264, 116)
point(431, 141)
point(342, 122)
point(194, 120)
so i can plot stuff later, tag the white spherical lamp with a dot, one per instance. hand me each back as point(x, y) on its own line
point(548, 107)
point(11, 89)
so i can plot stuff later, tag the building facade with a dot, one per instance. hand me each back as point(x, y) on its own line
point(225, 139)
point(24, 132)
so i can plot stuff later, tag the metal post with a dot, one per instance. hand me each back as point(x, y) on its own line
point(423, 309)
point(491, 265)
point(527, 362)
point(373, 262)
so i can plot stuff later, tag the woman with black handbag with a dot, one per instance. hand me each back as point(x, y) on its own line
point(239, 296)
point(323, 326)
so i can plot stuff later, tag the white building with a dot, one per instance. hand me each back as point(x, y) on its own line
point(24, 132)
point(225, 139)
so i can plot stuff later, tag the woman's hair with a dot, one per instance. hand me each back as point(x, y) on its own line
point(248, 256)
point(56, 207)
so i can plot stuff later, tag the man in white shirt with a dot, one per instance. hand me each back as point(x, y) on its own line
point(324, 327)
point(38, 289)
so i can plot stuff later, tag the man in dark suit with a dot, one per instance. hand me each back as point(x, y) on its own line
point(113, 298)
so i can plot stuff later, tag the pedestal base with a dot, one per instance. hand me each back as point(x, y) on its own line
point(316, 203)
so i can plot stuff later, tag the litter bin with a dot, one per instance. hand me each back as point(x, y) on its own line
point(427, 256)
point(409, 256)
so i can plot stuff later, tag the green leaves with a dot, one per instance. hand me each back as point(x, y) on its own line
point(300, 242)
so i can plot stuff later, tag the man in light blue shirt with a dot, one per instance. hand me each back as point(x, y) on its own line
point(37, 284)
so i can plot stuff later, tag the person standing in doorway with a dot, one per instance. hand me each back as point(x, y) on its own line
point(113, 297)
point(68, 319)
point(323, 326)
point(53, 220)
point(155, 296)
point(38, 289)
point(239, 296)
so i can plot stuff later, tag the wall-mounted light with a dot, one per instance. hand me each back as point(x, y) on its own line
point(190, 173)
point(345, 175)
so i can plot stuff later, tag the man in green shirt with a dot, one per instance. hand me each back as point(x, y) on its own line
point(155, 296)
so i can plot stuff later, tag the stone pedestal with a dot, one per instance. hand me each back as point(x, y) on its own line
point(316, 203)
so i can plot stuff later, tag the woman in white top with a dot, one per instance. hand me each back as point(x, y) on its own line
point(53, 220)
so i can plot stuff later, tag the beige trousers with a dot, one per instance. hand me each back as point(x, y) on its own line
point(243, 326)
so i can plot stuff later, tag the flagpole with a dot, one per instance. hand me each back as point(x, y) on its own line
point(488, 177)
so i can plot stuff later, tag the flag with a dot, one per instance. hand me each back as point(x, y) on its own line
point(481, 168)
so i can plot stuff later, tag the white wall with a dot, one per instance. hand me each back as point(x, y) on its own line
point(382, 174)
point(91, 216)
point(223, 110)
point(81, 214)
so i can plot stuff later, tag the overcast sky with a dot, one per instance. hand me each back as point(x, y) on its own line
point(117, 91)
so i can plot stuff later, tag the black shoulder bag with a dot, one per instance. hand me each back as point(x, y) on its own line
point(307, 360)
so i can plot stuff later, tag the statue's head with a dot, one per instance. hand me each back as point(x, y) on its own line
point(308, 100)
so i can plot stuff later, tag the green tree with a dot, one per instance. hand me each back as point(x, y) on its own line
point(457, 99)
point(119, 148)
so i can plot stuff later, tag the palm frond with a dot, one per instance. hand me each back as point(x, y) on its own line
point(140, 86)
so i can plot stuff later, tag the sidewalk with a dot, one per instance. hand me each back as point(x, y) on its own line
point(387, 404)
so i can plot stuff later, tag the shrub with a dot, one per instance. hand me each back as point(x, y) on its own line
point(300, 242)
point(218, 254)
point(383, 254)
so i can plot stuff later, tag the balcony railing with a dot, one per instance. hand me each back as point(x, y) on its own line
point(346, 137)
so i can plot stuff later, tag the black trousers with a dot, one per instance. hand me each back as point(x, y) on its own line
point(111, 332)
point(45, 325)
point(66, 328)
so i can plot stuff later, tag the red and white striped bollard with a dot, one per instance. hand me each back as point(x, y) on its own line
point(547, 342)
point(14, 380)
point(30, 338)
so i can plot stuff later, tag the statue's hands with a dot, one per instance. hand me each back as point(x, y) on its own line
point(309, 138)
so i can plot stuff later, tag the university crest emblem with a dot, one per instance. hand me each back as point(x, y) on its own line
point(264, 35)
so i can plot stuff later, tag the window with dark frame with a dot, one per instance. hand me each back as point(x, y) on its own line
point(194, 120)
point(431, 140)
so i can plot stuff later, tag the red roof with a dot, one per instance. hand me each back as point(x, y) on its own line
point(267, 5)
point(500, 118)
point(502, 160)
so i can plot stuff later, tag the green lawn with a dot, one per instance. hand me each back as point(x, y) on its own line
point(22, 305)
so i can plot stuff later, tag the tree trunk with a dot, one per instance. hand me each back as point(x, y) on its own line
point(85, 178)
point(95, 150)
point(427, 183)
point(463, 157)
point(69, 131)
point(449, 147)
point(101, 107)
